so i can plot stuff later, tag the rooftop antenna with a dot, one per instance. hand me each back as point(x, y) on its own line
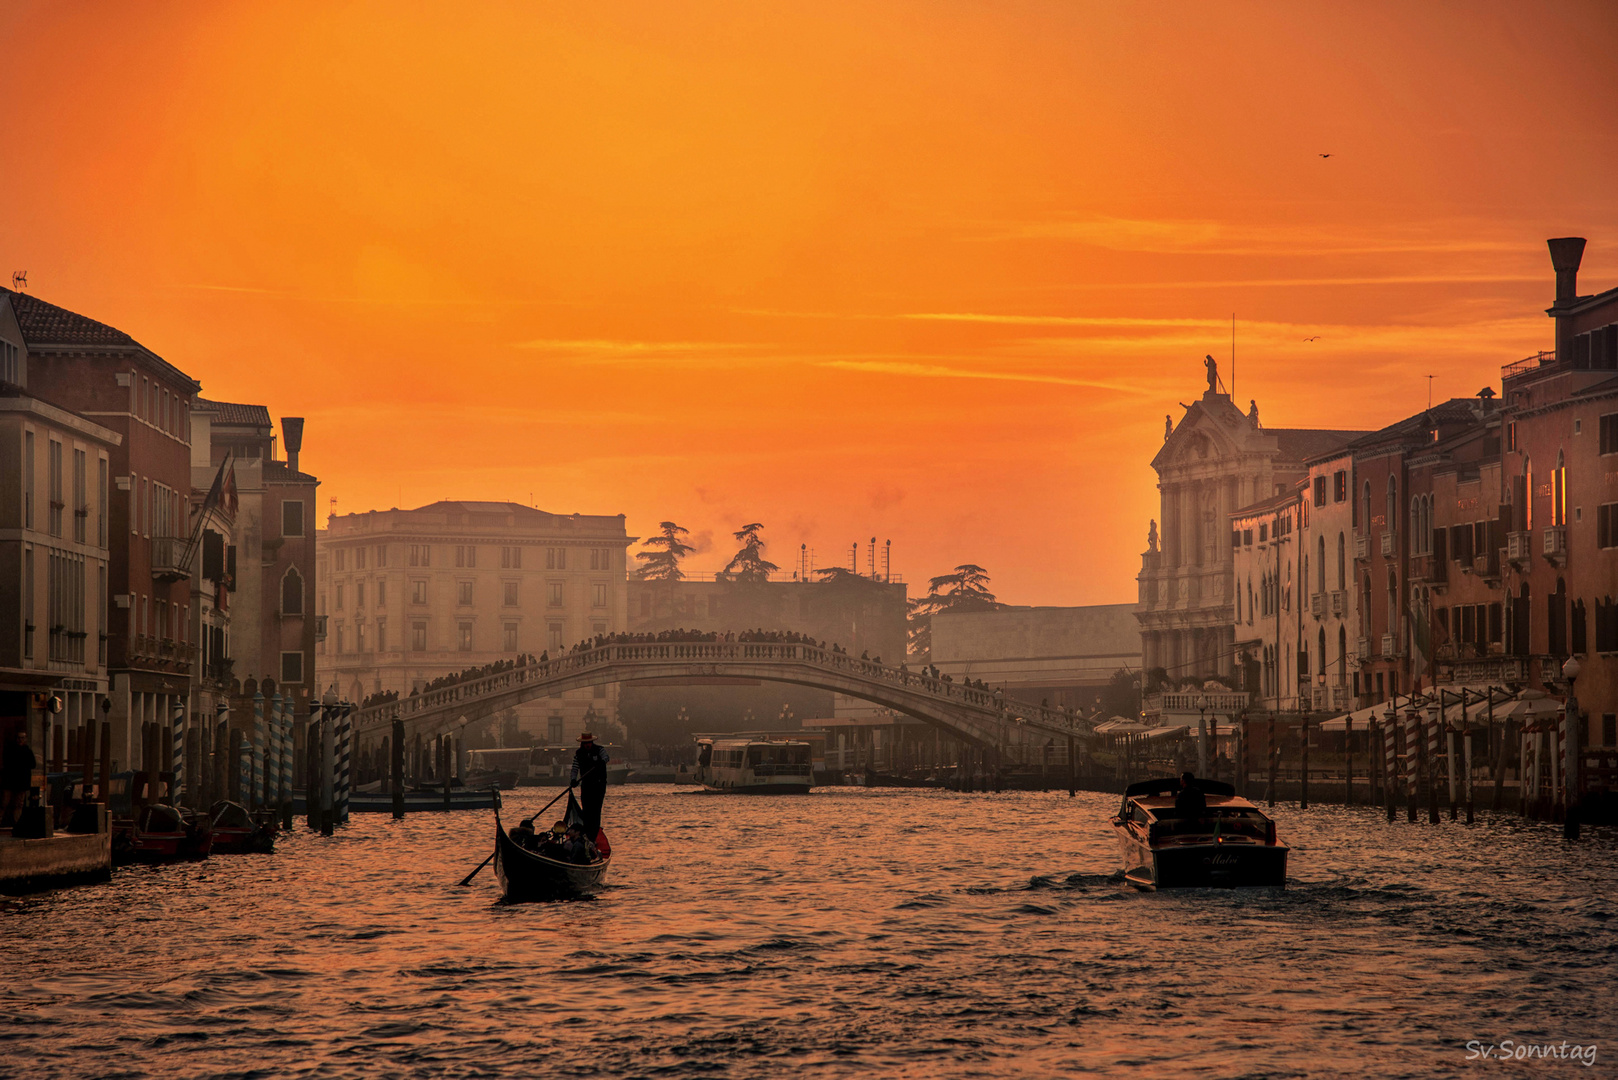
point(333, 511)
point(1429, 393)
point(19, 279)
point(1233, 356)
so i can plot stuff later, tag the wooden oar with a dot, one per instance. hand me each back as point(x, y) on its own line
point(468, 879)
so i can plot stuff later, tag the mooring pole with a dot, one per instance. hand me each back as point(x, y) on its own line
point(396, 749)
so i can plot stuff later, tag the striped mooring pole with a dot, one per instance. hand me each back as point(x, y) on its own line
point(273, 751)
point(256, 792)
point(345, 747)
point(177, 731)
point(284, 782)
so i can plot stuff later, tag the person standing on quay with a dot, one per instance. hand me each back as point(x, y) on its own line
point(590, 773)
point(16, 777)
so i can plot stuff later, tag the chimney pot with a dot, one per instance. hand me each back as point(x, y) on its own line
point(1566, 254)
point(292, 428)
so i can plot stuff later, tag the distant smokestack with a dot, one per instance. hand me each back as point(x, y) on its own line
point(1566, 254)
point(292, 431)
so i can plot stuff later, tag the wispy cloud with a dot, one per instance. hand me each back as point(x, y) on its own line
point(607, 350)
point(941, 371)
point(1192, 236)
point(1064, 320)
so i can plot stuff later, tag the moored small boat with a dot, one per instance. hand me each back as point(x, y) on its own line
point(160, 833)
point(533, 875)
point(235, 831)
point(1230, 843)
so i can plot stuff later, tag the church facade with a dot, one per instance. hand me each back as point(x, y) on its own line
point(1216, 461)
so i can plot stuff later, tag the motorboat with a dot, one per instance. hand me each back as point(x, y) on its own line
point(237, 832)
point(538, 874)
point(1230, 844)
point(755, 766)
point(161, 833)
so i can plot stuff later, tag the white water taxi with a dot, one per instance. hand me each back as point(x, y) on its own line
point(755, 766)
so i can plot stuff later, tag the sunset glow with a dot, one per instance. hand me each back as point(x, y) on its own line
point(926, 272)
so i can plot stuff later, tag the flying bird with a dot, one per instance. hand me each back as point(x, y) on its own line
point(1315, 338)
point(1325, 155)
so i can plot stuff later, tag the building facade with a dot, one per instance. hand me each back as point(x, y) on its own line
point(109, 378)
point(409, 596)
point(1064, 655)
point(1215, 461)
point(1330, 636)
point(1269, 548)
point(55, 496)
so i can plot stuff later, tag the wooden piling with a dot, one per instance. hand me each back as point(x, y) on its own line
point(1275, 757)
point(397, 746)
point(105, 784)
point(1348, 755)
point(1303, 783)
point(1431, 771)
point(1466, 742)
point(1072, 769)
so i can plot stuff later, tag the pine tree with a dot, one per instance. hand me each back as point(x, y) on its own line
point(748, 564)
point(662, 562)
point(967, 589)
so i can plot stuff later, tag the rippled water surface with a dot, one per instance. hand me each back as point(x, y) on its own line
point(845, 933)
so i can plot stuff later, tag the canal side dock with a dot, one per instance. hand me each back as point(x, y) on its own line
point(48, 862)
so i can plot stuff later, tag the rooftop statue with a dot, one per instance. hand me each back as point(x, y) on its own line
point(1213, 374)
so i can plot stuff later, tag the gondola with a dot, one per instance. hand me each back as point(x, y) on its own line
point(527, 875)
point(160, 833)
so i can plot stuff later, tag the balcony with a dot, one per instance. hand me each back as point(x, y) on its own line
point(1527, 364)
point(1364, 646)
point(1429, 568)
point(1342, 698)
point(1388, 648)
point(1487, 566)
point(1388, 545)
point(320, 628)
point(1317, 605)
point(1339, 602)
point(1555, 545)
point(1362, 549)
point(1519, 548)
point(170, 559)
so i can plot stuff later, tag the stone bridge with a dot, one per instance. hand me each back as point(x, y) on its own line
point(983, 718)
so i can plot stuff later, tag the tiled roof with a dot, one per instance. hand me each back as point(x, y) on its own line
point(1453, 411)
point(229, 412)
point(476, 507)
point(47, 324)
point(1302, 444)
point(281, 473)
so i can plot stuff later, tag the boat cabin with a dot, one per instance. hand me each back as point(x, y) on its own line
point(758, 766)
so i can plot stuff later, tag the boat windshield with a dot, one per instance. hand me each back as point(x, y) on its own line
point(1221, 821)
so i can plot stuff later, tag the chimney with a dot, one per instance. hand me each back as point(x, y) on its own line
point(292, 429)
point(1566, 254)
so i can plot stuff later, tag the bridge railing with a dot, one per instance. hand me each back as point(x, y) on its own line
point(988, 702)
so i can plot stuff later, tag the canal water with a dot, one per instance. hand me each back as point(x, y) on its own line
point(846, 933)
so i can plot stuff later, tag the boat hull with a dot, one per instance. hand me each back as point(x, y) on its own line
point(759, 789)
point(525, 876)
point(1204, 865)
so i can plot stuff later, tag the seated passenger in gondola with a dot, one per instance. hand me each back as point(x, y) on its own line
point(523, 835)
point(577, 848)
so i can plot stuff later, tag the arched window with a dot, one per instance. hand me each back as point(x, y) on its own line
point(292, 592)
point(1415, 525)
point(1559, 491)
point(1342, 562)
point(1342, 656)
point(1392, 525)
point(1320, 564)
point(1321, 653)
point(1365, 518)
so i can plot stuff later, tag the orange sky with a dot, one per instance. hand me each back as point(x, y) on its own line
point(931, 272)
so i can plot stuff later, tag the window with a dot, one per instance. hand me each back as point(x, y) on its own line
point(1342, 562)
point(359, 558)
point(598, 595)
point(1247, 537)
point(463, 635)
point(359, 594)
point(381, 555)
point(1579, 627)
point(556, 558)
point(292, 595)
point(8, 361)
point(466, 555)
point(1609, 434)
point(1393, 505)
point(359, 637)
point(291, 668)
point(1320, 568)
point(339, 639)
point(553, 635)
point(55, 489)
point(292, 520)
point(29, 600)
point(463, 593)
point(81, 497)
point(421, 555)
point(1607, 525)
point(601, 558)
point(101, 503)
point(382, 592)
point(508, 637)
point(339, 606)
point(1320, 491)
point(598, 629)
point(28, 479)
point(511, 558)
point(555, 594)
point(418, 591)
point(1263, 533)
point(1339, 485)
point(418, 637)
point(510, 597)
point(382, 635)
point(1559, 492)
point(342, 559)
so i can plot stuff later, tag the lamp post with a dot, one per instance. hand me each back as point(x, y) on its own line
point(1570, 772)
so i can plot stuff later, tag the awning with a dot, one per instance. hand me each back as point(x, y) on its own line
point(1362, 717)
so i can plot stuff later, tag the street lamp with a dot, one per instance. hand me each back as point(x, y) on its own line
point(1570, 774)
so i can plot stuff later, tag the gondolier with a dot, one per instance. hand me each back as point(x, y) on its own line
point(590, 773)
